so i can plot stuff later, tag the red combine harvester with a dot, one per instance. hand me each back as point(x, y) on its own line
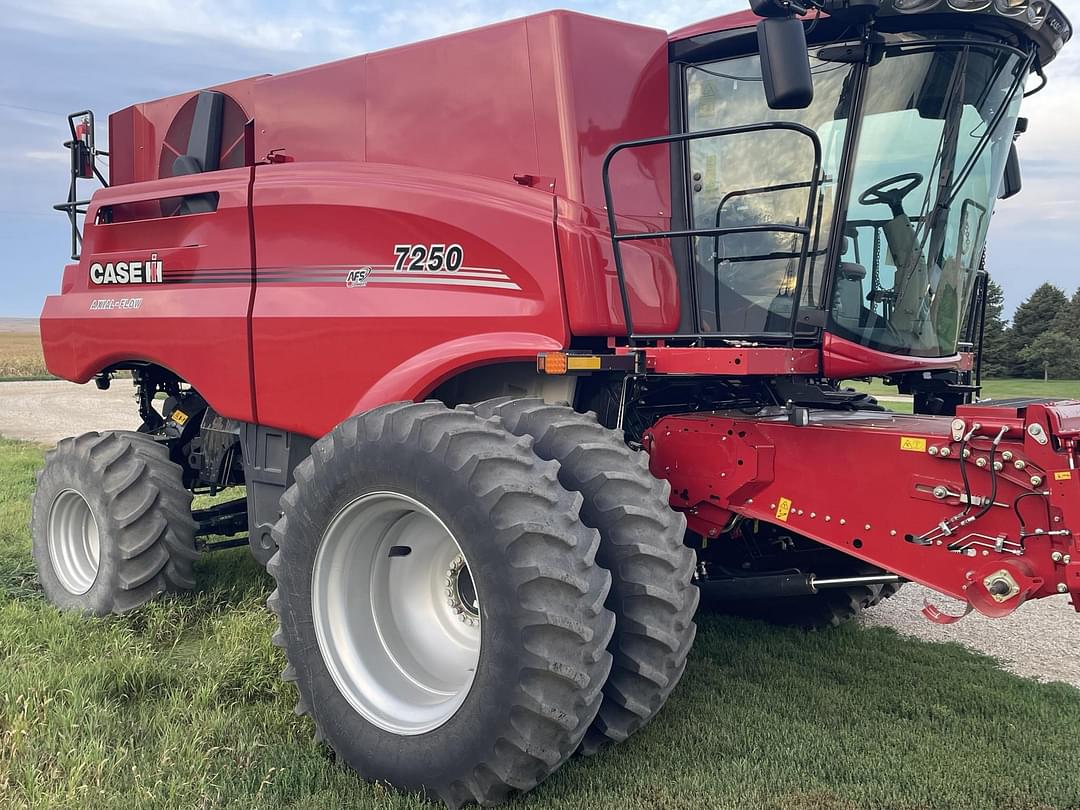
point(358, 290)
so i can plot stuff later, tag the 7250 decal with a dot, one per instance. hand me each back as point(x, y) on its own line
point(434, 258)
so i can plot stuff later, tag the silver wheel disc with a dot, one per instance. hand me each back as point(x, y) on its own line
point(74, 544)
point(396, 613)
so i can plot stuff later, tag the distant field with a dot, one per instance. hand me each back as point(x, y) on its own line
point(20, 351)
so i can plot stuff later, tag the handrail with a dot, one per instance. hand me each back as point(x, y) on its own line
point(804, 231)
point(83, 167)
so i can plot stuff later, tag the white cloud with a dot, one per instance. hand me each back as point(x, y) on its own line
point(58, 156)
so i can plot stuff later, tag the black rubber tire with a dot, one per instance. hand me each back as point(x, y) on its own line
point(143, 512)
point(641, 544)
point(544, 627)
point(887, 591)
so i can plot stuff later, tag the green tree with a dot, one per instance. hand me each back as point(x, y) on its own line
point(1055, 353)
point(1068, 320)
point(997, 356)
point(1037, 315)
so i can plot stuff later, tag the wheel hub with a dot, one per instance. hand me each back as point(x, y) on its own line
point(73, 541)
point(396, 613)
point(461, 593)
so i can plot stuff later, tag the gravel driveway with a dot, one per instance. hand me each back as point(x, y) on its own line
point(1041, 640)
point(46, 412)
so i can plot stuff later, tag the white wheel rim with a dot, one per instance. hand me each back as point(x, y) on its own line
point(74, 543)
point(398, 630)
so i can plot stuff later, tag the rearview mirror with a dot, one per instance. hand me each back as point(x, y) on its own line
point(785, 63)
point(1011, 182)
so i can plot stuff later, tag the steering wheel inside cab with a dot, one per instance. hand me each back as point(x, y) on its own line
point(891, 192)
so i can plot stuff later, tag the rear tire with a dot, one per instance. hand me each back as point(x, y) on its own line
point(111, 524)
point(542, 630)
point(641, 544)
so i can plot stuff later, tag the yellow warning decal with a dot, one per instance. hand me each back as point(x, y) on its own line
point(916, 444)
point(1063, 475)
point(179, 417)
point(783, 509)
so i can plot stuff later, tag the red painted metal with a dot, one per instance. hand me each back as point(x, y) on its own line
point(733, 362)
point(842, 359)
point(869, 484)
point(728, 22)
point(195, 323)
point(323, 351)
point(418, 144)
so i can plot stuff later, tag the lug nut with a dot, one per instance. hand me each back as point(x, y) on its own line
point(997, 466)
point(1036, 480)
point(1019, 464)
point(945, 452)
point(1056, 556)
point(979, 462)
point(1062, 588)
point(932, 451)
point(1007, 455)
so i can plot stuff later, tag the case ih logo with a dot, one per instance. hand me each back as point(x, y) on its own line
point(151, 271)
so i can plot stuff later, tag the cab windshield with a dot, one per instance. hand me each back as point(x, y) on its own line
point(936, 118)
point(936, 130)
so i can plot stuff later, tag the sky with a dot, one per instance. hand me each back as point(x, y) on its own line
point(57, 56)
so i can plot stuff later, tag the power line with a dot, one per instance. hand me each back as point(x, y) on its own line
point(33, 109)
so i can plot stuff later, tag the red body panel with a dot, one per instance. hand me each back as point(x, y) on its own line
point(879, 493)
point(842, 359)
point(424, 144)
point(727, 22)
point(324, 350)
point(194, 323)
point(733, 362)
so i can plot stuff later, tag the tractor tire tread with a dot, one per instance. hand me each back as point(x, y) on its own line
point(561, 590)
point(641, 544)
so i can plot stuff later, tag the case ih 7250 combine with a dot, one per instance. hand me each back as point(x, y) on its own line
point(360, 291)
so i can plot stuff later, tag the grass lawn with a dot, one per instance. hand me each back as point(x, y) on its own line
point(995, 389)
point(179, 706)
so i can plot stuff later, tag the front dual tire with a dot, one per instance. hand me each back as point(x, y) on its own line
point(440, 603)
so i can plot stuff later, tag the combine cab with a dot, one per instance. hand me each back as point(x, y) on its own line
point(516, 365)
